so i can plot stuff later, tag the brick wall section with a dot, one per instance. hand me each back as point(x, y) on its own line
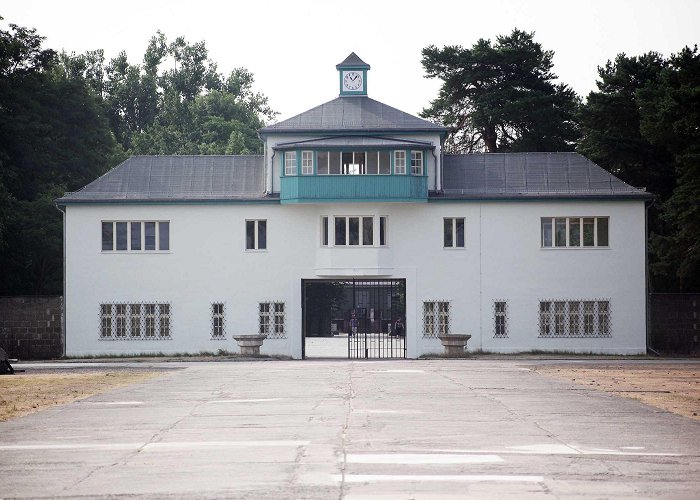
point(675, 322)
point(30, 327)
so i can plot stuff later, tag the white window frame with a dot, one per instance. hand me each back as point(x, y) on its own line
point(142, 228)
point(453, 229)
point(572, 222)
point(290, 163)
point(400, 162)
point(256, 235)
point(416, 162)
point(307, 163)
point(376, 231)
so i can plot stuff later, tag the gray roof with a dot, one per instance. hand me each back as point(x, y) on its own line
point(530, 175)
point(352, 61)
point(177, 178)
point(355, 142)
point(353, 113)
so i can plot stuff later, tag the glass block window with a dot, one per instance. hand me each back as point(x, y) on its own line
point(135, 321)
point(574, 318)
point(271, 320)
point(574, 232)
point(217, 321)
point(436, 318)
point(500, 319)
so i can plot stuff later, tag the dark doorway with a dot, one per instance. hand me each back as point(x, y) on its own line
point(354, 318)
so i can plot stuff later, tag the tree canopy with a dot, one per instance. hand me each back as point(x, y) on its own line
point(500, 97)
point(643, 125)
point(65, 119)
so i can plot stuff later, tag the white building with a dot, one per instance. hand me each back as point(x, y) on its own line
point(354, 217)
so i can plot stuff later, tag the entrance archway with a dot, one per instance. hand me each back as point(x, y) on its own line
point(353, 318)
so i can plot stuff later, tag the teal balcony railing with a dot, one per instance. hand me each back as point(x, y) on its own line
point(333, 188)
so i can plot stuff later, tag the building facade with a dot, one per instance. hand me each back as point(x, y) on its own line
point(526, 251)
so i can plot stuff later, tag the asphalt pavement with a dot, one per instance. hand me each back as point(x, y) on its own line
point(340, 429)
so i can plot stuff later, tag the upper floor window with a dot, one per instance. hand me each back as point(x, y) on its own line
point(307, 163)
point(255, 234)
point(135, 236)
point(400, 162)
point(353, 231)
point(290, 163)
point(453, 232)
point(574, 232)
point(416, 162)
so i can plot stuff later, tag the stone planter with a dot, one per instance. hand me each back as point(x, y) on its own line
point(250, 344)
point(454, 343)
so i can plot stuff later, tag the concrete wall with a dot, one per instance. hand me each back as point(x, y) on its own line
point(502, 260)
point(31, 327)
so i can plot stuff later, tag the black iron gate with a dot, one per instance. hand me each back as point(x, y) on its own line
point(370, 313)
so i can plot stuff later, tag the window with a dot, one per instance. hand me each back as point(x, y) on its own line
point(436, 318)
point(135, 321)
point(453, 232)
point(324, 231)
point(256, 234)
point(574, 318)
point(271, 320)
point(307, 163)
point(574, 232)
point(352, 163)
point(135, 236)
point(416, 162)
point(290, 163)
point(400, 162)
point(499, 315)
point(355, 231)
point(217, 321)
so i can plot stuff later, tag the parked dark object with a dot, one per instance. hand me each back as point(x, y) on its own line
point(5, 366)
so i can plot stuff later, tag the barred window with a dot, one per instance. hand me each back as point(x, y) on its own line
point(500, 319)
point(436, 318)
point(271, 320)
point(574, 318)
point(135, 321)
point(217, 321)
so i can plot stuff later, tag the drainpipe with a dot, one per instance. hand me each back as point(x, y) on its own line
point(438, 171)
point(63, 305)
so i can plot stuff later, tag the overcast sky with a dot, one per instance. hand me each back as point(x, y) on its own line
point(292, 47)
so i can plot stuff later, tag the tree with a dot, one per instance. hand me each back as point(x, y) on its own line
point(54, 137)
point(501, 97)
point(643, 125)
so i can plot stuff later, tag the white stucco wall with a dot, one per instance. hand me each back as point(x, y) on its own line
point(502, 260)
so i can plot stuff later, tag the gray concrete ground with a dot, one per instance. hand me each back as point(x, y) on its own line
point(339, 429)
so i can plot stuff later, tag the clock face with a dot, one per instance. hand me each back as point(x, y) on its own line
point(352, 80)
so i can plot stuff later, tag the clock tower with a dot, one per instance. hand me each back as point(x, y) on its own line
point(353, 76)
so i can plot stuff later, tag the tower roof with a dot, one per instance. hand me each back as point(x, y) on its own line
point(352, 61)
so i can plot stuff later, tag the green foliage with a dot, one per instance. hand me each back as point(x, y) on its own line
point(643, 125)
point(53, 136)
point(500, 97)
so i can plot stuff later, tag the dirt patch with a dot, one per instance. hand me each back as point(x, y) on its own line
point(24, 393)
point(675, 388)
